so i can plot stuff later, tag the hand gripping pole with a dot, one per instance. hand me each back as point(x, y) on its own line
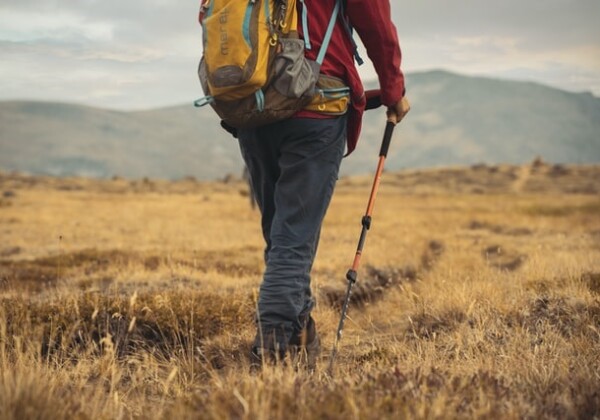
point(352, 275)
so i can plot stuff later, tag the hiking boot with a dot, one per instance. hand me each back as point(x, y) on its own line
point(260, 356)
point(265, 349)
point(304, 347)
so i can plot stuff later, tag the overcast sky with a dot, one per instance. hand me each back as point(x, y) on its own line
point(133, 54)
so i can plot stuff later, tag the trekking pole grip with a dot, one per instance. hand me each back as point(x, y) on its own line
point(387, 139)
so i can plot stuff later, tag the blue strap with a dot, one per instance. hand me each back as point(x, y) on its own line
point(211, 6)
point(357, 56)
point(335, 93)
point(204, 101)
point(260, 100)
point(349, 31)
point(329, 32)
point(246, 25)
point(305, 26)
point(267, 11)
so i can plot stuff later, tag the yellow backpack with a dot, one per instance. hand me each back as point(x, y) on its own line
point(253, 70)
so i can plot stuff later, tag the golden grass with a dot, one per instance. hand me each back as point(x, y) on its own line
point(478, 296)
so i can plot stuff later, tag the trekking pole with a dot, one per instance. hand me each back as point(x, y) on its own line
point(352, 275)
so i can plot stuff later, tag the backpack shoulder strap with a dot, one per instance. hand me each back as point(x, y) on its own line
point(349, 31)
point(329, 32)
point(307, 44)
point(339, 11)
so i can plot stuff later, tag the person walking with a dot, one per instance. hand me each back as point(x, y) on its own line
point(293, 165)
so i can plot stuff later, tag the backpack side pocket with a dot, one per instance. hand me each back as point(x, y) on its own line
point(294, 76)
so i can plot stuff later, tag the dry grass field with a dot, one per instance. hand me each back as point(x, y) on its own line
point(478, 297)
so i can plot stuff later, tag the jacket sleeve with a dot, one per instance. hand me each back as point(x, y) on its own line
point(372, 21)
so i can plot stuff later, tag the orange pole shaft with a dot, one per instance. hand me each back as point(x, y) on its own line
point(370, 206)
point(375, 185)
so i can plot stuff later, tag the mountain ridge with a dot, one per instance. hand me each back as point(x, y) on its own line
point(455, 120)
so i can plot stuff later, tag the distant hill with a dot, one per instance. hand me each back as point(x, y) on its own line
point(454, 120)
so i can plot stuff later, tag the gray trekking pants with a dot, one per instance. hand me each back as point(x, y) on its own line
point(293, 167)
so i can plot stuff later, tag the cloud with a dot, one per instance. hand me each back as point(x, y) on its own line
point(555, 42)
point(105, 53)
point(551, 22)
point(140, 54)
point(20, 26)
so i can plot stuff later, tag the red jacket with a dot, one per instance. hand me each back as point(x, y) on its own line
point(372, 21)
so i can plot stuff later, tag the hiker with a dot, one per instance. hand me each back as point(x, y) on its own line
point(293, 163)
